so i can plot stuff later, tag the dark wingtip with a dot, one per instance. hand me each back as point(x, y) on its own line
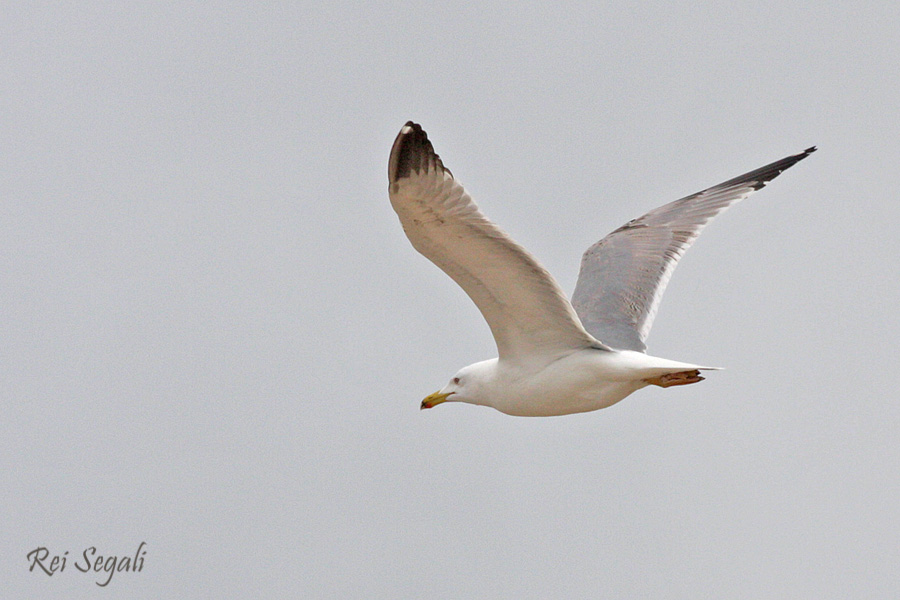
point(758, 178)
point(411, 152)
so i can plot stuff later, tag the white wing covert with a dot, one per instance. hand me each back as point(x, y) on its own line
point(527, 312)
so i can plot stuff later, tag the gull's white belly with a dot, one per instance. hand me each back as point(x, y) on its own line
point(583, 381)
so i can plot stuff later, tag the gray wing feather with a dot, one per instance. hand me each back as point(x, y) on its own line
point(529, 315)
point(624, 275)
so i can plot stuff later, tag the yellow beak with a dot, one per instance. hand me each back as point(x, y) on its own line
point(434, 399)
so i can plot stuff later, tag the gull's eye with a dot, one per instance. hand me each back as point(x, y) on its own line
point(456, 380)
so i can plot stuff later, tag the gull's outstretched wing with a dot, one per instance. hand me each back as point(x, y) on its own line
point(529, 316)
point(624, 275)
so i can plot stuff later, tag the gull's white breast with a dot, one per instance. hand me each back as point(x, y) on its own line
point(583, 381)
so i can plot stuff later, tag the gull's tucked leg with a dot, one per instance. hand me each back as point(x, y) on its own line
point(670, 379)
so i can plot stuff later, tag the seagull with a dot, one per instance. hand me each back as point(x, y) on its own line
point(555, 357)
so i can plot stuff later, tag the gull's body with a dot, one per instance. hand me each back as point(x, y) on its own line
point(555, 357)
point(584, 380)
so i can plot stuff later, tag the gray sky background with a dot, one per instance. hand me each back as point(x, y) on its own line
point(214, 335)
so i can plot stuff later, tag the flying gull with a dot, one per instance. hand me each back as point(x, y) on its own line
point(555, 357)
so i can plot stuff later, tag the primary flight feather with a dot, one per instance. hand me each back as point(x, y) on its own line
point(554, 357)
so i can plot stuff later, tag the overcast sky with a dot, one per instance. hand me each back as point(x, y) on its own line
point(214, 336)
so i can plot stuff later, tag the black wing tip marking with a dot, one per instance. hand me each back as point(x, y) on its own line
point(412, 152)
point(757, 179)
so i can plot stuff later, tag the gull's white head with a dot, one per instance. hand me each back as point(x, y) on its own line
point(471, 384)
